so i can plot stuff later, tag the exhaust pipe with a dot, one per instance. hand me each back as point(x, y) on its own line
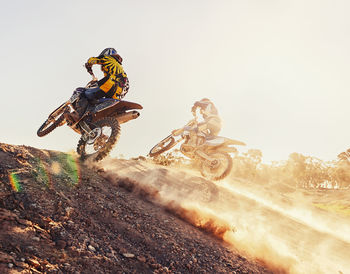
point(127, 116)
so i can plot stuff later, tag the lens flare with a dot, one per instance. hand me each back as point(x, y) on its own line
point(56, 168)
point(14, 180)
point(43, 173)
point(72, 168)
point(63, 164)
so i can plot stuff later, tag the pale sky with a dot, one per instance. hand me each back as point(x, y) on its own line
point(278, 71)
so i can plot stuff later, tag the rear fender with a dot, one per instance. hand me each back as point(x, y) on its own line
point(123, 106)
point(105, 108)
point(127, 116)
point(104, 105)
point(112, 107)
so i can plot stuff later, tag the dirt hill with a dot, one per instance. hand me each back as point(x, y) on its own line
point(58, 215)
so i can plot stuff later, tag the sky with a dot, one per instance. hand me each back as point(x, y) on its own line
point(278, 71)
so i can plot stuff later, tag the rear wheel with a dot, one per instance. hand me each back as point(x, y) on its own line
point(164, 145)
point(107, 132)
point(56, 119)
point(219, 168)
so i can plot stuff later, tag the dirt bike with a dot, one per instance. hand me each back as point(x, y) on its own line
point(99, 126)
point(212, 152)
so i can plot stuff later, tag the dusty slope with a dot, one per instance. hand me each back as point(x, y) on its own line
point(59, 216)
point(275, 223)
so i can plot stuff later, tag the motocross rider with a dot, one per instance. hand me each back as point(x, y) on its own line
point(211, 125)
point(114, 84)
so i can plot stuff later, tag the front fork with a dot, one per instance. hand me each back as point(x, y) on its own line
point(89, 133)
point(204, 156)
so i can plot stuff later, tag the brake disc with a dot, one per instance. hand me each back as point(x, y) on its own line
point(100, 141)
point(93, 135)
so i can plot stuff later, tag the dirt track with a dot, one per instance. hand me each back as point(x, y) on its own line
point(59, 216)
point(279, 226)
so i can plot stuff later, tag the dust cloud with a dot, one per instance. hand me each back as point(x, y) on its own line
point(283, 231)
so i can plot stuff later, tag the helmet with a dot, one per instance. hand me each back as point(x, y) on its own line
point(108, 51)
point(205, 100)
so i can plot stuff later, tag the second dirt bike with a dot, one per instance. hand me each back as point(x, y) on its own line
point(99, 125)
point(212, 152)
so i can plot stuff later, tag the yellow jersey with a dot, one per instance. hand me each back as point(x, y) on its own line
point(114, 75)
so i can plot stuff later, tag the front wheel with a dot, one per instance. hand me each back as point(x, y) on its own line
point(164, 145)
point(218, 168)
point(55, 119)
point(107, 132)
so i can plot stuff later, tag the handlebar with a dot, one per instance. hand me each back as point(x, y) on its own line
point(92, 82)
point(94, 78)
point(193, 122)
point(90, 71)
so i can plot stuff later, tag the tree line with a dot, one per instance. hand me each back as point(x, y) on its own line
point(298, 170)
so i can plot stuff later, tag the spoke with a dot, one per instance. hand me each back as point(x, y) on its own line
point(100, 141)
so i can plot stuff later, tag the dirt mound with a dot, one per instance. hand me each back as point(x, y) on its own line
point(290, 229)
point(58, 215)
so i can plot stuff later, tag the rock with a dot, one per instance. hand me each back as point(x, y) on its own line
point(91, 248)
point(100, 170)
point(128, 255)
point(37, 239)
point(141, 259)
point(44, 262)
point(22, 265)
point(61, 244)
point(69, 210)
point(23, 222)
point(73, 251)
point(152, 260)
point(45, 235)
point(5, 258)
point(110, 255)
point(10, 265)
point(33, 262)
